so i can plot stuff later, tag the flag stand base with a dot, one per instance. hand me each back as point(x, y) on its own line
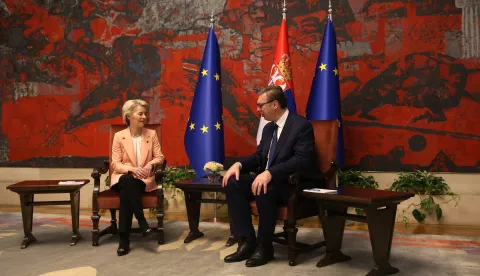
point(214, 220)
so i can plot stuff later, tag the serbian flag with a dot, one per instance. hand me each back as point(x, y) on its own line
point(281, 73)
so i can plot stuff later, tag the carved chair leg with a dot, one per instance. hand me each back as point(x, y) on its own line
point(160, 216)
point(284, 233)
point(113, 222)
point(291, 232)
point(95, 231)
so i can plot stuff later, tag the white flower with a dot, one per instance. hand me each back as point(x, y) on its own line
point(213, 166)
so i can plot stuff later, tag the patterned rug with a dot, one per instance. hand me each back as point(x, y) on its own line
point(52, 255)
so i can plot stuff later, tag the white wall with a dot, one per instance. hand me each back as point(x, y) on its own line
point(466, 212)
point(9, 176)
point(467, 186)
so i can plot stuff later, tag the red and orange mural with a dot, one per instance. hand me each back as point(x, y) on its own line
point(410, 75)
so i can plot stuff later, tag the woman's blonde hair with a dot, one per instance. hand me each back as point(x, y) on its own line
point(129, 106)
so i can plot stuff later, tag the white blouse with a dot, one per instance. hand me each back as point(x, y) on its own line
point(137, 147)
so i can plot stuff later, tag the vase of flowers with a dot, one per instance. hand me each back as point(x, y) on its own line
point(213, 170)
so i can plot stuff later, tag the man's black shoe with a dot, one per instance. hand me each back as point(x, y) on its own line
point(263, 254)
point(244, 251)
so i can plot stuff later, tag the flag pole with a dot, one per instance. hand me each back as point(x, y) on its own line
point(330, 12)
point(215, 219)
point(284, 10)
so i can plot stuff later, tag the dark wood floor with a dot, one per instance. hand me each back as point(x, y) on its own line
point(454, 230)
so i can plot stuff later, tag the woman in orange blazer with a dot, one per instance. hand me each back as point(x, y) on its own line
point(135, 152)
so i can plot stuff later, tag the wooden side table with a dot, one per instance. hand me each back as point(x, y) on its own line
point(193, 189)
point(380, 207)
point(27, 189)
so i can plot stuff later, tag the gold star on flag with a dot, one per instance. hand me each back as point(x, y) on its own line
point(192, 126)
point(204, 129)
point(335, 71)
point(218, 125)
point(322, 67)
point(217, 77)
point(204, 72)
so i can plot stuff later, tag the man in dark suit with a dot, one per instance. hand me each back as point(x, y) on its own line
point(287, 146)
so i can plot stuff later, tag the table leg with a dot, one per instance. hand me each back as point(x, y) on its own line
point(193, 213)
point(75, 207)
point(27, 217)
point(333, 227)
point(380, 226)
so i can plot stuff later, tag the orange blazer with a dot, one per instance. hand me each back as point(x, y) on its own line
point(123, 155)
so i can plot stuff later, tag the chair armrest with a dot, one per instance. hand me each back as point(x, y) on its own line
point(160, 173)
point(96, 173)
point(296, 188)
point(331, 173)
point(296, 185)
point(294, 179)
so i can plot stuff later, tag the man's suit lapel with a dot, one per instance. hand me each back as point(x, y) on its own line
point(128, 146)
point(283, 136)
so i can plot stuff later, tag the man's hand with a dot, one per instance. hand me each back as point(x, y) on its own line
point(261, 182)
point(139, 173)
point(234, 170)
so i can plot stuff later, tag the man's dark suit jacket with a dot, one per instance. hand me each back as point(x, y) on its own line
point(294, 152)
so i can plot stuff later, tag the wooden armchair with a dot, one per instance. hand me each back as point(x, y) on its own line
point(299, 207)
point(109, 199)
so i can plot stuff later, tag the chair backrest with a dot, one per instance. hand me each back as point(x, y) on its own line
point(116, 128)
point(326, 133)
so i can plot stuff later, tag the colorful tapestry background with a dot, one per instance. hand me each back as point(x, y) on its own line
point(410, 75)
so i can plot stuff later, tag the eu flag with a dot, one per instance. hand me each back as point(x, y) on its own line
point(204, 140)
point(324, 99)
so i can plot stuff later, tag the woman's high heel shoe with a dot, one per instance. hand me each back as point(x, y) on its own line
point(147, 232)
point(123, 247)
point(122, 251)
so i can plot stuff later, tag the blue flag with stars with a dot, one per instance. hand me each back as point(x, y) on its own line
point(204, 140)
point(324, 99)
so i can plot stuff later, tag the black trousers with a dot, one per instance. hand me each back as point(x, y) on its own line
point(131, 190)
point(239, 194)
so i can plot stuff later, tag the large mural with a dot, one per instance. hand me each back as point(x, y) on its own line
point(410, 75)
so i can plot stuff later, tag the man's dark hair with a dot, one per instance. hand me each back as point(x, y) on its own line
point(275, 93)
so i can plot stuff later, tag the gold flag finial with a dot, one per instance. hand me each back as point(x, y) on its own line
point(211, 19)
point(330, 9)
